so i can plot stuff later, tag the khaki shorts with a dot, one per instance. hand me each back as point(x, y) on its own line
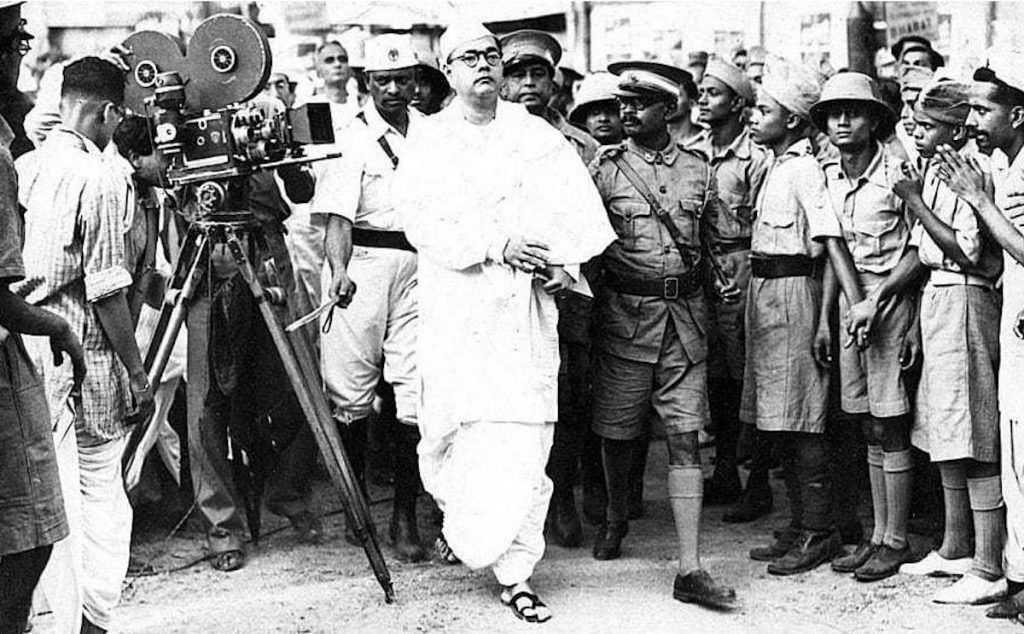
point(871, 380)
point(625, 391)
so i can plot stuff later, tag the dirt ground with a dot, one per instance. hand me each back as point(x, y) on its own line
point(291, 587)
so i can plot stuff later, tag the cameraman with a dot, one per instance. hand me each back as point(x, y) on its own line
point(237, 381)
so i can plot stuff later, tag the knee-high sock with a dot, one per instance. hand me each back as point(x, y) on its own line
point(898, 467)
point(617, 456)
point(407, 471)
point(876, 476)
point(957, 538)
point(989, 526)
point(786, 452)
point(685, 493)
point(727, 434)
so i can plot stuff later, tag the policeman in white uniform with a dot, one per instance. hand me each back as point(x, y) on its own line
point(365, 247)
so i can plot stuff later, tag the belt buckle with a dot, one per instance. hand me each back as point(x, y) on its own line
point(670, 288)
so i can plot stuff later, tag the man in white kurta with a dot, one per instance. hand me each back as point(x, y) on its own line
point(497, 199)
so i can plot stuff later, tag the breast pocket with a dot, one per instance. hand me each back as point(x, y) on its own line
point(631, 221)
point(686, 217)
point(740, 212)
point(778, 232)
point(876, 238)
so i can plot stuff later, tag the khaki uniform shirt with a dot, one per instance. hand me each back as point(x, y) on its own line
point(874, 219)
point(739, 171)
point(793, 208)
point(980, 249)
point(630, 326)
point(583, 143)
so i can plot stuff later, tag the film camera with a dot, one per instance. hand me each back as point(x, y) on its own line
point(198, 102)
point(216, 139)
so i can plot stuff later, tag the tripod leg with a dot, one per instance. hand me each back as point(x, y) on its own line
point(189, 274)
point(314, 407)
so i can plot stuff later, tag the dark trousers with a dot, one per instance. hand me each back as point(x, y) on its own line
point(262, 415)
point(808, 482)
point(573, 418)
point(19, 574)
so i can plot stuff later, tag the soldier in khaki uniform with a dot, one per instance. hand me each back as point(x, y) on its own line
point(651, 314)
point(739, 167)
point(530, 58)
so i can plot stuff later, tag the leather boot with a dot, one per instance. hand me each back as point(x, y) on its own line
point(563, 522)
point(404, 532)
point(618, 458)
point(595, 498)
point(609, 541)
point(755, 502)
point(353, 440)
point(785, 539)
point(810, 550)
point(636, 478)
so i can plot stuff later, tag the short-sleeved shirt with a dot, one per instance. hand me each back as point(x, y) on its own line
point(873, 218)
point(76, 208)
point(739, 171)
point(983, 253)
point(793, 209)
point(30, 498)
point(360, 186)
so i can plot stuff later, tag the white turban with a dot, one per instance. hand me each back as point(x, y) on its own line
point(795, 86)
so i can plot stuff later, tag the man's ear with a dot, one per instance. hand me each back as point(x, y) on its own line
point(1017, 117)
point(135, 159)
point(738, 104)
point(959, 133)
point(793, 121)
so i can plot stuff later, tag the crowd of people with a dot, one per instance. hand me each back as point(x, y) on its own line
point(821, 272)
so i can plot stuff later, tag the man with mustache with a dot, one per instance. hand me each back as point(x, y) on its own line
point(996, 121)
point(651, 314)
point(366, 245)
point(739, 167)
point(502, 212)
point(530, 58)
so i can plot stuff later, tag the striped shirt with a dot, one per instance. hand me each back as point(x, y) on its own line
point(77, 213)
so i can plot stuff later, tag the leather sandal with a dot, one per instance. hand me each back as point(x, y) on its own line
point(444, 552)
point(527, 607)
point(228, 561)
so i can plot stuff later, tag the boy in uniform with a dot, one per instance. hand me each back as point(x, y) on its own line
point(957, 421)
point(785, 391)
point(876, 228)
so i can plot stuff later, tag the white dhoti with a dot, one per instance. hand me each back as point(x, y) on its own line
point(85, 571)
point(377, 332)
point(489, 479)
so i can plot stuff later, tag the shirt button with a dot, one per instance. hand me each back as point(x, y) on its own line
point(663, 189)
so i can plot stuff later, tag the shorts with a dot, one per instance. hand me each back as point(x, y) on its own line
point(625, 391)
point(871, 380)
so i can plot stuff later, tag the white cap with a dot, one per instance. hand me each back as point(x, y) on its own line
point(460, 32)
point(1007, 64)
point(389, 52)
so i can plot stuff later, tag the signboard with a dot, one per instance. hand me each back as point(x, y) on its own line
point(911, 18)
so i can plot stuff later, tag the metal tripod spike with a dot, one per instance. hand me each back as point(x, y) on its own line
point(298, 363)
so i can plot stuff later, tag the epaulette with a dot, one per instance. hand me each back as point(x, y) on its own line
point(608, 152)
point(692, 151)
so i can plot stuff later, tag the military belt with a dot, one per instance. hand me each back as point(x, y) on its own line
point(670, 287)
point(381, 239)
point(776, 266)
point(732, 246)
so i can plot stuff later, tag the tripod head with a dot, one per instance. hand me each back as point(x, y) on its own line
point(201, 105)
